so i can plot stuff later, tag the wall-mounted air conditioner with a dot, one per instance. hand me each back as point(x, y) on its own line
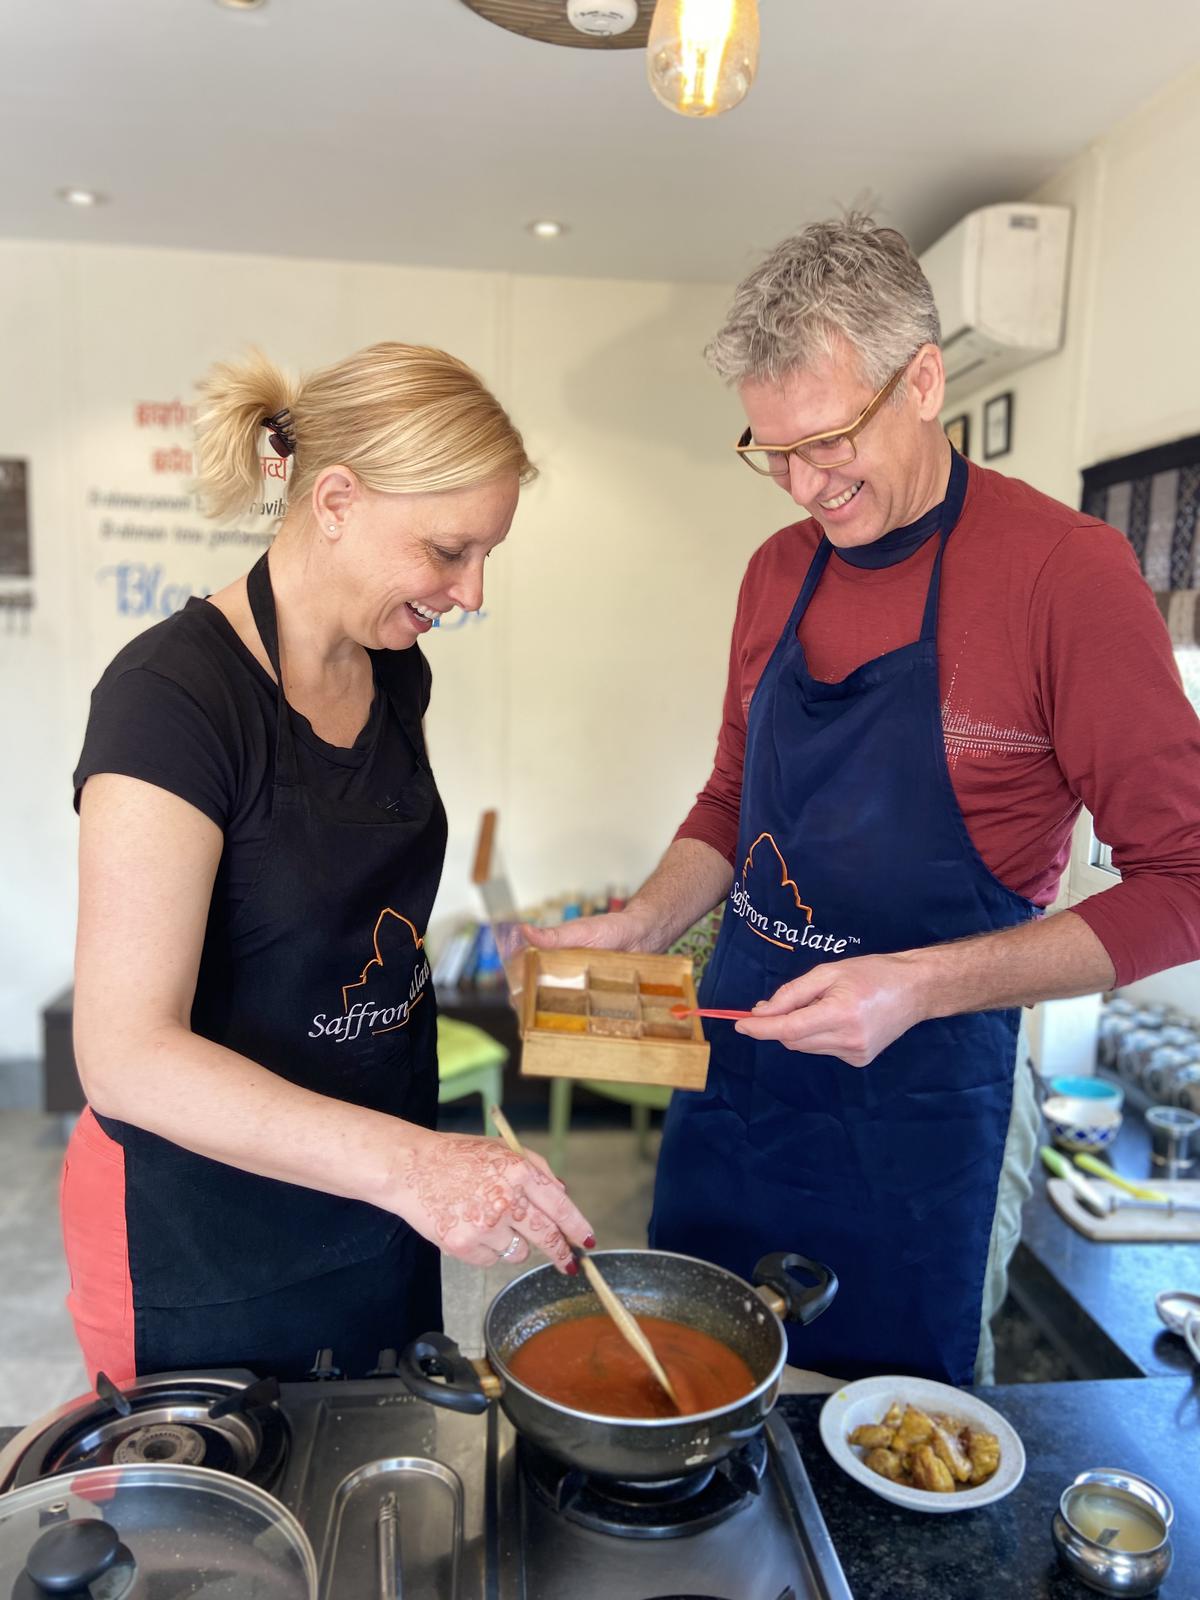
point(1000, 281)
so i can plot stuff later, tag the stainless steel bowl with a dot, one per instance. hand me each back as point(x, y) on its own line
point(1120, 1572)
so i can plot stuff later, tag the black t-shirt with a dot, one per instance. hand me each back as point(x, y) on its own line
point(187, 707)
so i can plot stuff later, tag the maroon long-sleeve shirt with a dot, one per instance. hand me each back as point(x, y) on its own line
point(1059, 688)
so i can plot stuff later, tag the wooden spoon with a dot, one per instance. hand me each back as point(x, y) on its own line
point(624, 1319)
point(626, 1322)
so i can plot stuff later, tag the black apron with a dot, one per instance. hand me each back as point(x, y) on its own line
point(319, 975)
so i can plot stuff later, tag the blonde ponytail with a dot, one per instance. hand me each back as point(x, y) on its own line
point(406, 419)
point(238, 396)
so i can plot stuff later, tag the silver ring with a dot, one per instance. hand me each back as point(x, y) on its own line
point(514, 1244)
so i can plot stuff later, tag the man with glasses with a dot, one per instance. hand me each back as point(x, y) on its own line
point(930, 673)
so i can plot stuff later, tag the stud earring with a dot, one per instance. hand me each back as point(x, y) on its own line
point(333, 527)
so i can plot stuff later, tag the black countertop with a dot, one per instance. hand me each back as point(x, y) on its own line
point(1004, 1551)
point(1096, 1301)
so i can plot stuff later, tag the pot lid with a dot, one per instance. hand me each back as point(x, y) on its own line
point(138, 1532)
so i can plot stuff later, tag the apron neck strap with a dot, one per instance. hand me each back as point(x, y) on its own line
point(816, 567)
point(952, 506)
point(262, 607)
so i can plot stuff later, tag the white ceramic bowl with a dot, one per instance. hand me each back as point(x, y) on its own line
point(1077, 1124)
point(868, 1400)
point(1086, 1086)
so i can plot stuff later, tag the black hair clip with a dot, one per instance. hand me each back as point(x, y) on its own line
point(283, 434)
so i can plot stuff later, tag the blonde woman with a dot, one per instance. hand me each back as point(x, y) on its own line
point(257, 1174)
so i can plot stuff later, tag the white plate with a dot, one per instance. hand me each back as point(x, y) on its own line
point(868, 1400)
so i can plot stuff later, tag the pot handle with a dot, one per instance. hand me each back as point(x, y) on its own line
point(792, 1301)
point(433, 1356)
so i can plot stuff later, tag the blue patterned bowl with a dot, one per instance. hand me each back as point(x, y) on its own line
point(1077, 1124)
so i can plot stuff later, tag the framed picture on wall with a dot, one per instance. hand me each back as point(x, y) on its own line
point(997, 426)
point(958, 431)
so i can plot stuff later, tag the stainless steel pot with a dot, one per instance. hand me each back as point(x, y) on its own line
point(651, 1283)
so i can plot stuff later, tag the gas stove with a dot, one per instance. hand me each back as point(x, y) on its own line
point(406, 1501)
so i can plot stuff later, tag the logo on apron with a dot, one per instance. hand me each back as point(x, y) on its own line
point(788, 923)
point(388, 989)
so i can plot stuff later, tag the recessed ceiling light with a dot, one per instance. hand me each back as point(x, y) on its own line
point(81, 197)
point(547, 229)
point(241, 5)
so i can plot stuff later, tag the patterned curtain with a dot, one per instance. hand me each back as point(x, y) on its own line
point(1154, 498)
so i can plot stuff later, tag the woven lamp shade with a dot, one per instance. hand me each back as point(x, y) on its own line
point(547, 20)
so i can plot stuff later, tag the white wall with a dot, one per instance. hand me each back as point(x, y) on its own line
point(586, 700)
point(1128, 375)
point(39, 709)
point(585, 703)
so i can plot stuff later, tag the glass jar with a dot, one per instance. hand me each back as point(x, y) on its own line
point(1162, 1068)
point(1185, 1088)
point(1134, 1052)
point(1112, 1027)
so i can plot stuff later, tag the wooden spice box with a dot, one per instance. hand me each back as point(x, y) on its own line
point(606, 1014)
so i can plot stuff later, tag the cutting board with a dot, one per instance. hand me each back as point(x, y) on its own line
point(1148, 1227)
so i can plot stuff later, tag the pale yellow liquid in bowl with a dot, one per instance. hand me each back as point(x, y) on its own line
point(1091, 1511)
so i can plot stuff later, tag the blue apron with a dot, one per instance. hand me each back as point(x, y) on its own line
point(851, 842)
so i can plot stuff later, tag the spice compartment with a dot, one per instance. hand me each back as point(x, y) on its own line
point(606, 1014)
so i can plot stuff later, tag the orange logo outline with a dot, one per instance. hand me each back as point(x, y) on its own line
point(784, 883)
point(377, 961)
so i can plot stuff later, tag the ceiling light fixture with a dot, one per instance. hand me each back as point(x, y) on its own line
point(242, 5)
point(703, 54)
point(578, 24)
point(547, 229)
point(80, 197)
point(604, 19)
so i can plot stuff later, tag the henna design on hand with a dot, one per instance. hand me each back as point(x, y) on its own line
point(458, 1178)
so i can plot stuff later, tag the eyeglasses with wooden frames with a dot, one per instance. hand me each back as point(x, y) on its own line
point(833, 449)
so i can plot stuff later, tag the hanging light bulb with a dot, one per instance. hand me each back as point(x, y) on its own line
point(703, 54)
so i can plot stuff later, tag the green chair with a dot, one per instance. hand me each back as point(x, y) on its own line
point(642, 1097)
point(470, 1061)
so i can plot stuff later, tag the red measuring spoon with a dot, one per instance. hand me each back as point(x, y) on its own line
point(700, 1011)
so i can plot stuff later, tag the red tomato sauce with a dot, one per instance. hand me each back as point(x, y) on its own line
point(586, 1363)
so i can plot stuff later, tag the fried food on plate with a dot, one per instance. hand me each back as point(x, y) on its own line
point(885, 1462)
point(936, 1453)
point(929, 1471)
point(983, 1451)
point(915, 1429)
point(947, 1448)
point(872, 1435)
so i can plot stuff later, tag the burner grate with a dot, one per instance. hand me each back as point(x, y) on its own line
point(164, 1441)
point(663, 1509)
point(163, 1420)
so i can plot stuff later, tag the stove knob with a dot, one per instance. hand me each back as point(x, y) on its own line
point(68, 1559)
point(323, 1366)
point(387, 1366)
